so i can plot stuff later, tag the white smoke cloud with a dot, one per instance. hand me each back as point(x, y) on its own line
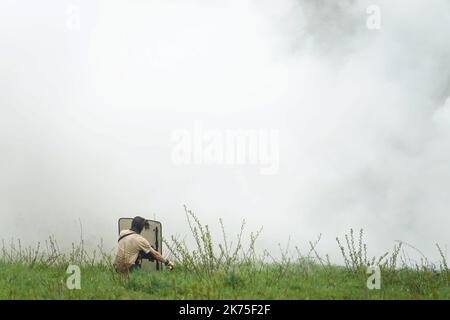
point(87, 115)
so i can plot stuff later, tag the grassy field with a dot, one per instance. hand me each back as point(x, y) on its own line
point(222, 271)
point(19, 281)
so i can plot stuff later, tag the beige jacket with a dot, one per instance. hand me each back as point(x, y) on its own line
point(129, 248)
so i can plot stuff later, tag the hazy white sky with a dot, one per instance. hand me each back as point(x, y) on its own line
point(92, 91)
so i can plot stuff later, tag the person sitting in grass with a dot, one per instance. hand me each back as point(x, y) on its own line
point(133, 248)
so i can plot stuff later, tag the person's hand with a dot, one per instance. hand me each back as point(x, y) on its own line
point(169, 264)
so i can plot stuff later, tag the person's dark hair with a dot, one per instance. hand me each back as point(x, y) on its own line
point(138, 224)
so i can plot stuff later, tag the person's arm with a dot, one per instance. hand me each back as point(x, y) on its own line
point(148, 249)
